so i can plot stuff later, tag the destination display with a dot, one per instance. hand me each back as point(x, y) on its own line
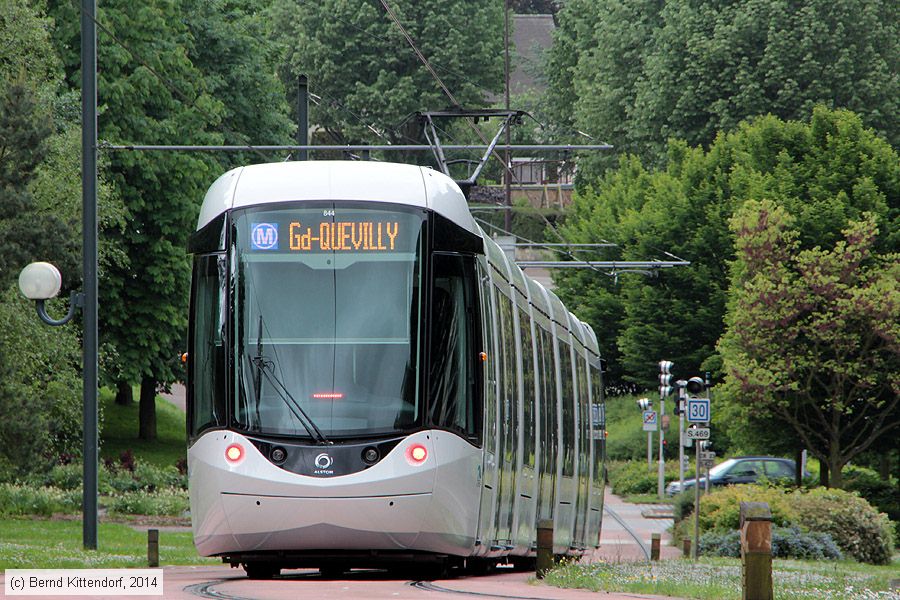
point(327, 230)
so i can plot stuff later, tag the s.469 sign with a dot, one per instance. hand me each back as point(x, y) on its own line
point(698, 434)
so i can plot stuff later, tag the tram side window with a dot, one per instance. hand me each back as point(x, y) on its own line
point(528, 385)
point(207, 406)
point(452, 354)
point(568, 409)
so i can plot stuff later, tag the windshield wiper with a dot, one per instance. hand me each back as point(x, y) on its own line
point(265, 368)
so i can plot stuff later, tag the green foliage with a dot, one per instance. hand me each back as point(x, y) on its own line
point(231, 46)
point(39, 384)
point(787, 542)
point(365, 72)
point(860, 530)
point(113, 478)
point(721, 508)
point(628, 478)
point(814, 332)
point(17, 500)
point(150, 93)
point(166, 501)
point(880, 493)
point(828, 173)
point(119, 434)
point(692, 70)
point(56, 544)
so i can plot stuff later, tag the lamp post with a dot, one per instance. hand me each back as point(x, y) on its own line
point(41, 281)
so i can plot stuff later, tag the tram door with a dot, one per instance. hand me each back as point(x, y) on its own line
point(583, 472)
point(598, 414)
point(488, 513)
point(508, 426)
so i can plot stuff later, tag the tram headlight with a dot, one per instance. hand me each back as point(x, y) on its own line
point(234, 453)
point(416, 454)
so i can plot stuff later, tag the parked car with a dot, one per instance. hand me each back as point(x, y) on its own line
point(742, 469)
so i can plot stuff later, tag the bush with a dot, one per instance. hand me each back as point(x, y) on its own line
point(859, 530)
point(16, 500)
point(720, 543)
point(169, 501)
point(39, 383)
point(787, 542)
point(683, 505)
point(632, 477)
point(880, 493)
point(721, 509)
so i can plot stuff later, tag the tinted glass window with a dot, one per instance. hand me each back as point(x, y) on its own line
point(452, 365)
point(207, 356)
point(528, 384)
point(568, 409)
point(747, 468)
point(777, 470)
point(326, 309)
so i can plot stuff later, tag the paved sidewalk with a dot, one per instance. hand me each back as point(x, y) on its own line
point(616, 542)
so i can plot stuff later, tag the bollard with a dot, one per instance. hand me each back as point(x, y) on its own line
point(756, 551)
point(654, 546)
point(544, 547)
point(686, 547)
point(153, 547)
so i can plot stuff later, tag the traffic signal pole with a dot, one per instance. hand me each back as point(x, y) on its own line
point(661, 476)
point(665, 388)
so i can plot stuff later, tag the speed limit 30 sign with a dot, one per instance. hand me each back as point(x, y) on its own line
point(698, 410)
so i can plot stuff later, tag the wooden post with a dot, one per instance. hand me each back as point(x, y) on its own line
point(686, 547)
point(756, 551)
point(153, 547)
point(654, 546)
point(544, 547)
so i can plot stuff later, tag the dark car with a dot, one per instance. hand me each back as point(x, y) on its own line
point(742, 469)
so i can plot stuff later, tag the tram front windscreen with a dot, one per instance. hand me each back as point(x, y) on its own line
point(326, 307)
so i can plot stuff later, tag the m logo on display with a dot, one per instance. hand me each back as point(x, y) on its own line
point(264, 236)
point(323, 464)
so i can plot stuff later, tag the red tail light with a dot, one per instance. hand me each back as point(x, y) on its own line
point(234, 453)
point(416, 454)
point(327, 396)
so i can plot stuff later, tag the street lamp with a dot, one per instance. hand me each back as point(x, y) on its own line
point(41, 281)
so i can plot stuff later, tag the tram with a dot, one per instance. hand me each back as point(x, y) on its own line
point(371, 380)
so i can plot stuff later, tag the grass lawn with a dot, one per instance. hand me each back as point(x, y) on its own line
point(720, 579)
point(52, 544)
point(120, 429)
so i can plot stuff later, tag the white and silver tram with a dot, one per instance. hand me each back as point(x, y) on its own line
point(370, 379)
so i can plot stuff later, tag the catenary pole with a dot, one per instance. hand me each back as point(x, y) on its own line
point(89, 266)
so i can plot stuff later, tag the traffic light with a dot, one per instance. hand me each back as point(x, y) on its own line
point(665, 378)
point(695, 386)
point(645, 404)
point(679, 401)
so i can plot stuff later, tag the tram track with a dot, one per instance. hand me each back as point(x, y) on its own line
point(207, 589)
point(645, 548)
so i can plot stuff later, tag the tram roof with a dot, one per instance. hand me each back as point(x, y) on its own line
point(363, 181)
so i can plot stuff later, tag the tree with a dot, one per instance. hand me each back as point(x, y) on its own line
point(690, 70)
point(238, 57)
point(827, 172)
point(365, 75)
point(814, 334)
point(151, 93)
